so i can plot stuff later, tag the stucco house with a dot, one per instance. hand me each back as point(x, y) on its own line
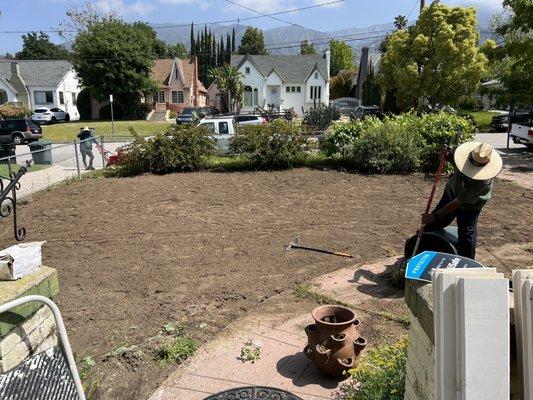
point(179, 85)
point(40, 83)
point(284, 81)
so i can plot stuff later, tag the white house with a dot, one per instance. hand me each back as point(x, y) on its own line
point(40, 83)
point(296, 81)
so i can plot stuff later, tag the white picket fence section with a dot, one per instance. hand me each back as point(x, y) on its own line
point(472, 340)
point(523, 308)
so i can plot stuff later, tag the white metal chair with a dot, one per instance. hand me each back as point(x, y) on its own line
point(49, 375)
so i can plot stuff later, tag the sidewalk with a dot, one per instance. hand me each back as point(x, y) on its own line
point(282, 364)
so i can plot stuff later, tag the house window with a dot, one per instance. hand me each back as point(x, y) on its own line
point(74, 99)
point(247, 70)
point(298, 89)
point(61, 98)
point(256, 96)
point(316, 75)
point(43, 97)
point(293, 89)
point(159, 96)
point(288, 89)
point(177, 96)
point(247, 98)
point(316, 92)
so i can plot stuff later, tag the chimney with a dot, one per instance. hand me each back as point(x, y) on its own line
point(19, 85)
point(327, 55)
point(15, 69)
point(196, 84)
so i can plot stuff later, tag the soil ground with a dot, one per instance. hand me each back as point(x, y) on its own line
point(207, 248)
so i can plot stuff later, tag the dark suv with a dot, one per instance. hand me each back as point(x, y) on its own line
point(19, 131)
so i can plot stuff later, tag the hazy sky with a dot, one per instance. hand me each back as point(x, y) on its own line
point(29, 15)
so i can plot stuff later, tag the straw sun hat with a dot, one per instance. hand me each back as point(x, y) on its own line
point(86, 129)
point(477, 160)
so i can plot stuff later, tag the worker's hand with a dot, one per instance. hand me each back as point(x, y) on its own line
point(428, 218)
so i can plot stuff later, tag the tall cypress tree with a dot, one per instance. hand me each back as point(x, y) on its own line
point(233, 40)
point(227, 56)
point(221, 51)
point(192, 38)
point(197, 46)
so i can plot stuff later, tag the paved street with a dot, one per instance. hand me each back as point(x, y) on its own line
point(499, 142)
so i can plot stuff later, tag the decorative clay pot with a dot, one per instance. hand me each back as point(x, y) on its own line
point(333, 341)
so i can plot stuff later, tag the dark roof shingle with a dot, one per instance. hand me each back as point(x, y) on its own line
point(38, 72)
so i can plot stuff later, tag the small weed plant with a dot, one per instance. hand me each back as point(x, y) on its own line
point(380, 375)
point(250, 352)
point(177, 351)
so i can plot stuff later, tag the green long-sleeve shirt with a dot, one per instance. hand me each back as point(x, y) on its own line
point(471, 193)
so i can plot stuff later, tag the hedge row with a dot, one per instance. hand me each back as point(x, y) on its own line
point(395, 145)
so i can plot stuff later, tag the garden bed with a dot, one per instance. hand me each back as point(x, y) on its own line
point(205, 248)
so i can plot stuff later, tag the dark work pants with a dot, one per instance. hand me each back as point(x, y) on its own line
point(466, 224)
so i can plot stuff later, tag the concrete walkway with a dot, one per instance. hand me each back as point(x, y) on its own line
point(217, 365)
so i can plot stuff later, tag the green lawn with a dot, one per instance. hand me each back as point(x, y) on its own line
point(62, 132)
point(483, 119)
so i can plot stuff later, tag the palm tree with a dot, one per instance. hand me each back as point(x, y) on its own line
point(400, 22)
point(229, 82)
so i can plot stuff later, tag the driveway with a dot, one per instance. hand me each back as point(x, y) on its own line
point(499, 141)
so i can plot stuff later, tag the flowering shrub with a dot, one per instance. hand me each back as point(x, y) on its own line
point(13, 112)
point(380, 375)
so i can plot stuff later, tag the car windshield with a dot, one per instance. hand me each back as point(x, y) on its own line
point(187, 111)
point(40, 110)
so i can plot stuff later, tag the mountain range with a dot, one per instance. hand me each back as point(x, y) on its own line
point(286, 39)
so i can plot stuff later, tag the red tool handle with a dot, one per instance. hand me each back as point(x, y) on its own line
point(443, 156)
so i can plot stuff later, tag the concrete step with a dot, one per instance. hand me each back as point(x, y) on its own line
point(158, 116)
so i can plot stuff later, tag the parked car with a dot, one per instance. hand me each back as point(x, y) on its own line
point(500, 122)
point(19, 131)
point(188, 114)
point(522, 127)
point(223, 129)
point(50, 115)
point(245, 119)
point(346, 105)
point(366, 111)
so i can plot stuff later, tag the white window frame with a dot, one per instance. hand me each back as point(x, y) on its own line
point(74, 99)
point(315, 93)
point(158, 95)
point(247, 70)
point(45, 93)
point(62, 98)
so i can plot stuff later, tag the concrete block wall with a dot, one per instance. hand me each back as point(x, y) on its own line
point(28, 329)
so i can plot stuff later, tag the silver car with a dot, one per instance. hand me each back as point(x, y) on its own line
point(50, 115)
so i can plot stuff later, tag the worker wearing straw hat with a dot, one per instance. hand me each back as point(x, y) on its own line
point(86, 146)
point(466, 193)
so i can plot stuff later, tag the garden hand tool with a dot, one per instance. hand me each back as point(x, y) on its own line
point(443, 155)
point(295, 244)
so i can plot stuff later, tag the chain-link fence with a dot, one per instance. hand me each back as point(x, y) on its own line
point(51, 163)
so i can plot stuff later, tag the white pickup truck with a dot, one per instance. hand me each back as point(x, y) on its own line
point(522, 127)
point(223, 129)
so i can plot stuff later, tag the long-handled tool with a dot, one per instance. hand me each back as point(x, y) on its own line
point(295, 244)
point(442, 162)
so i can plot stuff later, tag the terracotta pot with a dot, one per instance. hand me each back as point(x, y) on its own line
point(333, 341)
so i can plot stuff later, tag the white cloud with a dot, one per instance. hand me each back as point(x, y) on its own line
point(123, 8)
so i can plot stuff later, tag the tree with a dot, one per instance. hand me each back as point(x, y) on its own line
point(436, 60)
point(400, 22)
point(341, 56)
point(37, 46)
point(81, 17)
point(116, 57)
point(252, 42)
point(307, 47)
point(192, 44)
point(229, 82)
point(515, 66)
point(371, 89)
point(341, 84)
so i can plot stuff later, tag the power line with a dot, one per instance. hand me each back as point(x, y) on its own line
point(263, 15)
point(269, 16)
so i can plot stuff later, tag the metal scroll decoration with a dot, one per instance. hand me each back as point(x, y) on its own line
point(254, 393)
point(8, 199)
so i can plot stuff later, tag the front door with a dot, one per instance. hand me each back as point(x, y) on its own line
point(274, 95)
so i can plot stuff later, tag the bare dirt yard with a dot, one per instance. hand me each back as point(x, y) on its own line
point(207, 248)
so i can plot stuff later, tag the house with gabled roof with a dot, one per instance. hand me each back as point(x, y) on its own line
point(40, 83)
point(284, 81)
point(179, 85)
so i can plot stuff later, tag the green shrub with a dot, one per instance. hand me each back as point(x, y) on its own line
point(10, 111)
point(470, 102)
point(385, 149)
point(180, 148)
point(345, 134)
point(105, 111)
point(380, 375)
point(84, 104)
point(437, 130)
point(320, 117)
point(278, 144)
